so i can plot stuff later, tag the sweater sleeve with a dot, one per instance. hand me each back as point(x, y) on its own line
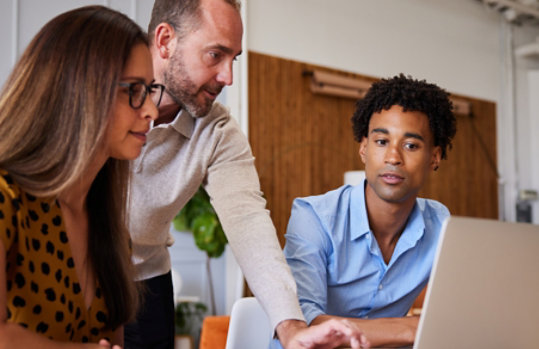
point(234, 188)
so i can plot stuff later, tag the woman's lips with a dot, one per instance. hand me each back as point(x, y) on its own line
point(139, 135)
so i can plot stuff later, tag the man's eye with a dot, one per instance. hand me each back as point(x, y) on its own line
point(380, 141)
point(411, 146)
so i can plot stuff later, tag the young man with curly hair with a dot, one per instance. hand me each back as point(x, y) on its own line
point(365, 252)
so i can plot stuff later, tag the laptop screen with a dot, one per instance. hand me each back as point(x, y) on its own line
point(484, 287)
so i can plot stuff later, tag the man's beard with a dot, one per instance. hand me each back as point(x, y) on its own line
point(183, 90)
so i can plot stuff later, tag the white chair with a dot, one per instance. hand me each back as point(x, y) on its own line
point(249, 326)
point(176, 285)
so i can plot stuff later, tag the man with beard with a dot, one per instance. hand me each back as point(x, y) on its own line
point(195, 141)
point(364, 253)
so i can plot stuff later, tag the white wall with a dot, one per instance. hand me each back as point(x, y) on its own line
point(533, 146)
point(458, 44)
point(454, 43)
point(190, 263)
point(20, 20)
point(527, 122)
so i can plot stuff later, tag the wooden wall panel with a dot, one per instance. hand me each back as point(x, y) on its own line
point(303, 144)
point(467, 181)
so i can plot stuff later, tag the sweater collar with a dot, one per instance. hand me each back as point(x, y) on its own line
point(184, 123)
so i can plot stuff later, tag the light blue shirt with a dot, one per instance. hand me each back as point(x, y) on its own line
point(337, 263)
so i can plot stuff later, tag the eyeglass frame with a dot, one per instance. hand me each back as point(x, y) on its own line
point(147, 91)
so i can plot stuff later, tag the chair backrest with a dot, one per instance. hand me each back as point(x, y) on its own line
point(249, 326)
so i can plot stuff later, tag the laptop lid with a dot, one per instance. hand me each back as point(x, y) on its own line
point(484, 287)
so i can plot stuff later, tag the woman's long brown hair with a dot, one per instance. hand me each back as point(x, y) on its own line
point(54, 112)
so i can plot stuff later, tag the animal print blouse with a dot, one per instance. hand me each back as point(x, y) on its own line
point(43, 291)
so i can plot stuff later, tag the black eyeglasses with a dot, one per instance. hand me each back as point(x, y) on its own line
point(139, 90)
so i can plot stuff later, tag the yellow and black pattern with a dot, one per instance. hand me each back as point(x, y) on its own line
point(43, 292)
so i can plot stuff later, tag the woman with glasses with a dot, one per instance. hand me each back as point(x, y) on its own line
point(75, 109)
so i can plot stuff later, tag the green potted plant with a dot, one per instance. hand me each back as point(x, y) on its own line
point(199, 217)
point(188, 317)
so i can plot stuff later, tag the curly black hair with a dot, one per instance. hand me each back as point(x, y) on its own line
point(411, 95)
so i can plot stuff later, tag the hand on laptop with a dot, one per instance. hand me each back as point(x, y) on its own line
point(382, 331)
point(295, 334)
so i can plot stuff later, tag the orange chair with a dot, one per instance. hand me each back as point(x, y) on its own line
point(418, 303)
point(214, 331)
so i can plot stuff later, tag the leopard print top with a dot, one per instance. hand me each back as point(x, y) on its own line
point(43, 292)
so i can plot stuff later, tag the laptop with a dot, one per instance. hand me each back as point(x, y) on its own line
point(484, 287)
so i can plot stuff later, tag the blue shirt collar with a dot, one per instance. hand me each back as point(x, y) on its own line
point(359, 220)
point(415, 227)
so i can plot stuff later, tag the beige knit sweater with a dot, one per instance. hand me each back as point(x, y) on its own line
point(212, 151)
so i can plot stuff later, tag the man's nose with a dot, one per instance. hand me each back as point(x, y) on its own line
point(224, 75)
point(393, 155)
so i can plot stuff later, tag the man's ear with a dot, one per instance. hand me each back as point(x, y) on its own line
point(164, 40)
point(363, 149)
point(436, 158)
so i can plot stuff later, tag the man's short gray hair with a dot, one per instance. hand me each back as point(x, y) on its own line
point(182, 15)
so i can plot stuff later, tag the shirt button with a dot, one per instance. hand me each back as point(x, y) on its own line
point(380, 287)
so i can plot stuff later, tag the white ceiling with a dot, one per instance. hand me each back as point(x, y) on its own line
point(516, 11)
